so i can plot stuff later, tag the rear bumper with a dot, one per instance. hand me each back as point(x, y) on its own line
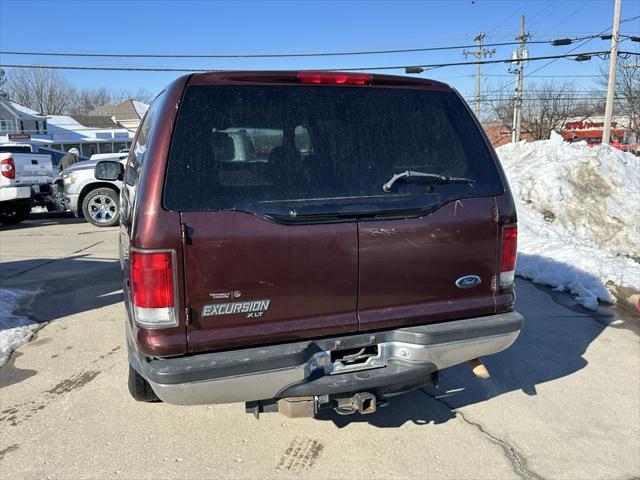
point(406, 359)
point(41, 190)
point(15, 193)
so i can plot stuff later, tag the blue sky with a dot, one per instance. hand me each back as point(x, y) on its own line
point(300, 26)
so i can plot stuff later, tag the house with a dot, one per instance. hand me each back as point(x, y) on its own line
point(500, 134)
point(15, 119)
point(88, 133)
point(128, 113)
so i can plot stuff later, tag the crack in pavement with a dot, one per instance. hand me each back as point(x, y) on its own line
point(518, 461)
point(53, 260)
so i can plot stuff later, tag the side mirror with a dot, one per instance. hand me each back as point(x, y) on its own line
point(109, 170)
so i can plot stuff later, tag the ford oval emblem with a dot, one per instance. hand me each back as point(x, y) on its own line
point(468, 281)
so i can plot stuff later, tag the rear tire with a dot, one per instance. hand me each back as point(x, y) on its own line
point(101, 207)
point(14, 214)
point(139, 388)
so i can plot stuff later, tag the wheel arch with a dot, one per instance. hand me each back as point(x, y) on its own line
point(93, 186)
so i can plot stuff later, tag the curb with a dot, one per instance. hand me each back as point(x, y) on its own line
point(627, 298)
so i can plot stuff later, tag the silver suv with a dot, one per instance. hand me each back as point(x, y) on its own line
point(97, 200)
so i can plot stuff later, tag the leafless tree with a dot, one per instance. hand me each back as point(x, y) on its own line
point(142, 94)
point(545, 107)
point(627, 90)
point(2, 79)
point(43, 90)
point(88, 99)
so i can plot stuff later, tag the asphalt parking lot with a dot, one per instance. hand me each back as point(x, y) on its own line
point(563, 401)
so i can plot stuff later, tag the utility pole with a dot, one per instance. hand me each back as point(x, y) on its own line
point(480, 53)
point(520, 55)
point(613, 60)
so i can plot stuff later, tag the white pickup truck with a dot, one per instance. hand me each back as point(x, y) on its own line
point(25, 179)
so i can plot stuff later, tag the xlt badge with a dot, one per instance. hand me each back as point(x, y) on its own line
point(253, 308)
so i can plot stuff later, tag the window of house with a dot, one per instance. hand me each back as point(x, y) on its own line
point(5, 125)
point(37, 126)
point(21, 126)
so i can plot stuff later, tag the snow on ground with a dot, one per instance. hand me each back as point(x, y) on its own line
point(15, 330)
point(578, 216)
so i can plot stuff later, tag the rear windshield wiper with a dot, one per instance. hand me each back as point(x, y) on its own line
point(408, 174)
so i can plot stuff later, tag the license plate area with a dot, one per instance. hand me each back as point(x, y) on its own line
point(356, 358)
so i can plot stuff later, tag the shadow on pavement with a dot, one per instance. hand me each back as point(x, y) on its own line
point(10, 374)
point(61, 287)
point(415, 407)
point(550, 346)
point(57, 288)
point(41, 219)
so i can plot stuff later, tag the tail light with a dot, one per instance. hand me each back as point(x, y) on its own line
point(8, 168)
point(152, 276)
point(509, 252)
point(335, 78)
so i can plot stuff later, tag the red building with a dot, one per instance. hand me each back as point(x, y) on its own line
point(590, 131)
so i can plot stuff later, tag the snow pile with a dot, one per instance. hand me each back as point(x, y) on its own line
point(14, 330)
point(579, 216)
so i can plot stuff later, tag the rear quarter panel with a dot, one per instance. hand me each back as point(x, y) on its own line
point(149, 226)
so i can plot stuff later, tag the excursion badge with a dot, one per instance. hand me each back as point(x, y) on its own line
point(253, 308)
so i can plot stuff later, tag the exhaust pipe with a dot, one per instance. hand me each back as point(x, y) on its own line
point(479, 369)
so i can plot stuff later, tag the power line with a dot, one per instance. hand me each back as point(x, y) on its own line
point(499, 89)
point(108, 69)
point(562, 22)
point(518, 9)
point(588, 40)
point(55, 126)
point(65, 131)
point(544, 76)
point(603, 53)
point(269, 55)
point(536, 19)
point(550, 97)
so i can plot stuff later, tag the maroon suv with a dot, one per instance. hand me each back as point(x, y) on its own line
point(309, 240)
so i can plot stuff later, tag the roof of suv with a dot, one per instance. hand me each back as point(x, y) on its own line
point(284, 77)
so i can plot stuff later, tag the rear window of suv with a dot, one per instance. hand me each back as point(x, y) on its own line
point(273, 149)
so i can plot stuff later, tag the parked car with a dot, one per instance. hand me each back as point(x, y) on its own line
point(25, 180)
point(98, 201)
point(337, 275)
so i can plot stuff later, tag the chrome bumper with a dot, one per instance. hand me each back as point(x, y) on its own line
point(405, 356)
